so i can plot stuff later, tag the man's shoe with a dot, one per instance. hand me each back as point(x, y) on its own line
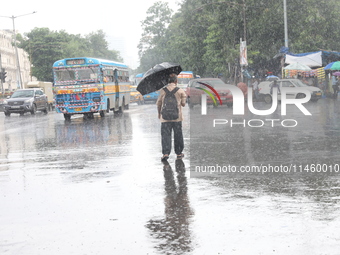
point(165, 157)
point(180, 156)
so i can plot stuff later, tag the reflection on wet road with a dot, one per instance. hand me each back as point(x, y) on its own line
point(98, 186)
point(173, 233)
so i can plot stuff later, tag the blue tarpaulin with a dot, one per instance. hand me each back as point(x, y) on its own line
point(327, 56)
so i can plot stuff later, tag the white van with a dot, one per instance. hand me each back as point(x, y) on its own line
point(265, 86)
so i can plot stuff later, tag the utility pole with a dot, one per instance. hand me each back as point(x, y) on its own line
point(1, 83)
point(285, 22)
point(17, 55)
point(16, 48)
point(244, 21)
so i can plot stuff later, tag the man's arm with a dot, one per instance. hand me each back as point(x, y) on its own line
point(183, 98)
point(159, 103)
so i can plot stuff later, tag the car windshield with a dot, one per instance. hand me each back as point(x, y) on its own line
point(299, 83)
point(23, 93)
point(217, 84)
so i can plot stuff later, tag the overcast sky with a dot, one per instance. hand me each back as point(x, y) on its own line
point(119, 19)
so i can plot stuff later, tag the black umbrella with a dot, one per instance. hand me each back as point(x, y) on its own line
point(157, 77)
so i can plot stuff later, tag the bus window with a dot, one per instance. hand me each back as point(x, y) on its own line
point(65, 75)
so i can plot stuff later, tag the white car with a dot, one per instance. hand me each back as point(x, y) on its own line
point(265, 86)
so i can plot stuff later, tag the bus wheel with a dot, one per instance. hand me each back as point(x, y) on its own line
point(122, 108)
point(67, 116)
point(108, 106)
point(102, 113)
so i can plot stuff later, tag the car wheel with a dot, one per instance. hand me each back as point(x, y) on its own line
point(34, 109)
point(7, 114)
point(45, 111)
point(268, 99)
point(300, 95)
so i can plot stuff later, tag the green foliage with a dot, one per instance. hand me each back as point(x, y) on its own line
point(45, 47)
point(153, 44)
point(204, 36)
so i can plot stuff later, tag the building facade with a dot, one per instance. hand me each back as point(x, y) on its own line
point(9, 63)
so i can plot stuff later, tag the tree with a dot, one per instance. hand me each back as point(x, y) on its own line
point(153, 43)
point(204, 36)
point(45, 47)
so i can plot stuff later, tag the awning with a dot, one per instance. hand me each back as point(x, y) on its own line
point(313, 59)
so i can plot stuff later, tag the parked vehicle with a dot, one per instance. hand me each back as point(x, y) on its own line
point(46, 87)
point(26, 100)
point(135, 96)
point(195, 90)
point(265, 86)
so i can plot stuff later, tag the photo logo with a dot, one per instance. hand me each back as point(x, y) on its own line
point(209, 93)
point(239, 102)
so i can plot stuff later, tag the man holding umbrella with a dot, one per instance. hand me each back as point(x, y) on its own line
point(169, 104)
point(167, 124)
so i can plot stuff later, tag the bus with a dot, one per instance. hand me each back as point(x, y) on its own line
point(89, 85)
point(183, 79)
point(138, 78)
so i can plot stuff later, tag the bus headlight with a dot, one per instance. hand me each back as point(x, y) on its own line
point(63, 110)
point(94, 108)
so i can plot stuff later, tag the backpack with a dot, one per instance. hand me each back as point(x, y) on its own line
point(170, 105)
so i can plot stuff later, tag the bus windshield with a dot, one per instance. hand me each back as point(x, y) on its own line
point(184, 80)
point(72, 75)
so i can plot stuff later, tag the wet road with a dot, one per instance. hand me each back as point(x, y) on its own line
point(98, 186)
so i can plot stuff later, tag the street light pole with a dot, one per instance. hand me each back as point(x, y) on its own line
point(15, 45)
point(285, 22)
point(244, 22)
